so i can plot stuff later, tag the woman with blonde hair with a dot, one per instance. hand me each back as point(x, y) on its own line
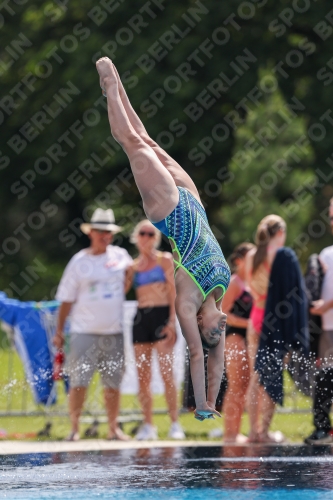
point(154, 324)
point(270, 237)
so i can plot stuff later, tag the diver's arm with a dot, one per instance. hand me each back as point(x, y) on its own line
point(215, 369)
point(186, 313)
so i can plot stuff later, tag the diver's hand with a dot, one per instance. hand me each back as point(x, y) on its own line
point(206, 412)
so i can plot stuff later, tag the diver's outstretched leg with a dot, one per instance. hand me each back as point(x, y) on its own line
point(181, 178)
point(156, 185)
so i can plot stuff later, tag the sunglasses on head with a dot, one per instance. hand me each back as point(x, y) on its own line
point(147, 233)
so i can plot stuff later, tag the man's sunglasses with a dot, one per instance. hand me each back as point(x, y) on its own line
point(102, 231)
point(147, 233)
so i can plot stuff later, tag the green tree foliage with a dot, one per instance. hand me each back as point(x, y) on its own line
point(188, 68)
point(270, 172)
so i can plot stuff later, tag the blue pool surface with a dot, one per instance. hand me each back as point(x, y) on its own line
point(231, 473)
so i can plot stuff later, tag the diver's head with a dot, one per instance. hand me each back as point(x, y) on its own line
point(212, 326)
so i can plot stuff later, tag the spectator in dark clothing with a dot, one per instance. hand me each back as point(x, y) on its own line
point(324, 381)
point(285, 327)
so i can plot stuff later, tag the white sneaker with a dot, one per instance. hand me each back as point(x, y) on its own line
point(215, 433)
point(176, 431)
point(146, 432)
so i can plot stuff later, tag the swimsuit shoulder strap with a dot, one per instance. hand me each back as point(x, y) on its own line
point(267, 267)
point(262, 297)
point(240, 282)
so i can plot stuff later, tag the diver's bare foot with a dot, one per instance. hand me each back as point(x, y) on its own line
point(104, 67)
point(107, 75)
point(122, 92)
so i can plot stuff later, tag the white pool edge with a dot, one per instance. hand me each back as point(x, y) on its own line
point(22, 447)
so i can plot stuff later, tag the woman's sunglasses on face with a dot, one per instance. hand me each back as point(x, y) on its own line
point(147, 233)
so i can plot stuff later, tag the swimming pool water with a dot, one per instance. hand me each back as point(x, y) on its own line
point(257, 473)
point(176, 494)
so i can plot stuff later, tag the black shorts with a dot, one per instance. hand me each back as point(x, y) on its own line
point(148, 324)
point(235, 329)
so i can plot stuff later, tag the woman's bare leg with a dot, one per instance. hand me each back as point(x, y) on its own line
point(179, 175)
point(156, 185)
point(237, 369)
point(267, 408)
point(143, 359)
point(253, 392)
point(165, 360)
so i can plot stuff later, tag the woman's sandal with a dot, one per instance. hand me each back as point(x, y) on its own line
point(118, 436)
point(254, 438)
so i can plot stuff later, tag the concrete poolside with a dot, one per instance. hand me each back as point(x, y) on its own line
point(22, 447)
point(18, 447)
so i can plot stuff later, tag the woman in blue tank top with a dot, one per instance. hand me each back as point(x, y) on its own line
point(172, 202)
point(154, 325)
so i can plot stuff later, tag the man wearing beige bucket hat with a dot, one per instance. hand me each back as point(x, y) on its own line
point(101, 220)
point(92, 289)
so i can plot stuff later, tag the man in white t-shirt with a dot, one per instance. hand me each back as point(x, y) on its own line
point(92, 289)
point(324, 381)
point(324, 307)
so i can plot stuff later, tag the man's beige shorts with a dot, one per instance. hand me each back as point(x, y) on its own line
point(91, 351)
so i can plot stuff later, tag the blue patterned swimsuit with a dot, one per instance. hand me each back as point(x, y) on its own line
point(199, 253)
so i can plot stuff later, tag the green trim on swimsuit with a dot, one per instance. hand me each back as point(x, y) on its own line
point(179, 264)
point(198, 251)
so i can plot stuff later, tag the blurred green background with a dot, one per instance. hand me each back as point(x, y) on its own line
point(239, 93)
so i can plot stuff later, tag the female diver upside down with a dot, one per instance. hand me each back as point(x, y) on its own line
point(172, 203)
